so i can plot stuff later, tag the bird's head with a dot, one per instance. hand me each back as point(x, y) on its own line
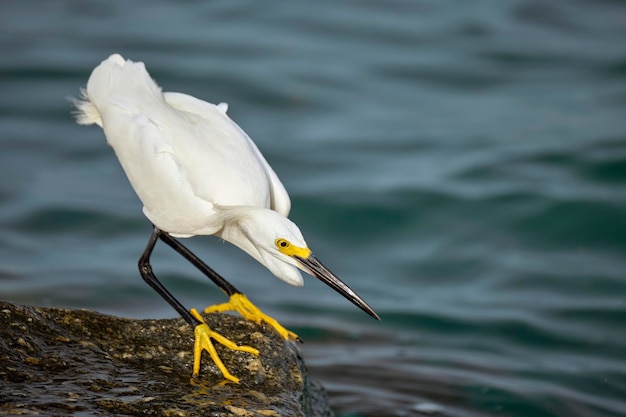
point(277, 243)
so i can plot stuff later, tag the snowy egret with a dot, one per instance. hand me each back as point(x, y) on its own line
point(198, 173)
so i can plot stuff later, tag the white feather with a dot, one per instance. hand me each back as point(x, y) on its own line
point(194, 169)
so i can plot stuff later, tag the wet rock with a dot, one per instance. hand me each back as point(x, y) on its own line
point(61, 362)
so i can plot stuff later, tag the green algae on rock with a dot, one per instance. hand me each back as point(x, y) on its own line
point(59, 361)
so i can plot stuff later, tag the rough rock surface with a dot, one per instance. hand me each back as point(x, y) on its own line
point(78, 362)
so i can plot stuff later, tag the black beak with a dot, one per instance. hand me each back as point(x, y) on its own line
point(313, 266)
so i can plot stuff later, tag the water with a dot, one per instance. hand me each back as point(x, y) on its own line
point(462, 165)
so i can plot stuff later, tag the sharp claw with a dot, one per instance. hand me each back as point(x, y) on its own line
point(240, 303)
point(203, 335)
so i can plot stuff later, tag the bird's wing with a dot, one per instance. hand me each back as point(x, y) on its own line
point(156, 174)
point(279, 199)
point(129, 107)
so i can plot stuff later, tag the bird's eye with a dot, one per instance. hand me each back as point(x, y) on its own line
point(282, 243)
point(289, 249)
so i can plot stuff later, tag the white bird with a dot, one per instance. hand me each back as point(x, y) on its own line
point(198, 173)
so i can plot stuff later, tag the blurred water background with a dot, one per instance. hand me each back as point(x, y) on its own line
point(462, 165)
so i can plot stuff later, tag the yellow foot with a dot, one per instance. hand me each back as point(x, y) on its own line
point(240, 303)
point(203, 342)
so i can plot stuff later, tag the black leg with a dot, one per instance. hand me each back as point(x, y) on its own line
point(238, 301)
point(146, 273)
point(221, 282)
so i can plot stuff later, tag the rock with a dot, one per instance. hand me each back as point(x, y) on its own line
point(61, 362)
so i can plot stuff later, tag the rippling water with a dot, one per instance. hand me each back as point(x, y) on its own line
point(462, 165)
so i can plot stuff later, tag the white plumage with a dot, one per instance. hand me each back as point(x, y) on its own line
point(197, 172)
point(194, 169)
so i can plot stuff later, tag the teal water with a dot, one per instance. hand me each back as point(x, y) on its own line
point(462, 165)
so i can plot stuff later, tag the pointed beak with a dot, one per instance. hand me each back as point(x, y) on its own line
point(313, 266)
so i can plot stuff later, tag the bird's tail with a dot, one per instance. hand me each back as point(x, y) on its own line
point(85, 112)
point(115, 83)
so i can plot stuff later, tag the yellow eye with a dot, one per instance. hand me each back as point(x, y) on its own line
point(286, 248)
point(282, 243)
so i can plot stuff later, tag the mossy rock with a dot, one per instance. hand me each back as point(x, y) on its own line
point(61, 362)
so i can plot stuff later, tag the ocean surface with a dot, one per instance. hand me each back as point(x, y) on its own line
point(461, 165)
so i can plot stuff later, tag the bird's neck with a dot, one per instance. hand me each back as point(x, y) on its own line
point(234, 230)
